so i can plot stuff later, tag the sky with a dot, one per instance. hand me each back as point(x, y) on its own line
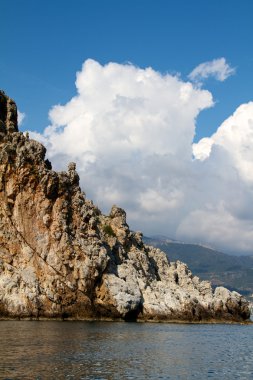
point(151, 99)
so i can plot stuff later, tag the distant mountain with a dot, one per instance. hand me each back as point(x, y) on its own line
point(233, 272)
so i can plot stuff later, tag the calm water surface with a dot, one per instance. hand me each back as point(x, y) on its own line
point(111, 350)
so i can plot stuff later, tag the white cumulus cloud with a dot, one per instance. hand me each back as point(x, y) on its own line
point(217, 68)
point(235, 137)
point(21, 116)
point(131, 130)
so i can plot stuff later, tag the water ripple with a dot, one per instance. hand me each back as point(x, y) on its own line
point(112, 351)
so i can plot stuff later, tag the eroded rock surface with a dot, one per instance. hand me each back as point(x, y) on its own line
point(60, 257)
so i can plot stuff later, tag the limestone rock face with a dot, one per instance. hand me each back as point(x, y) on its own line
point(61, 257)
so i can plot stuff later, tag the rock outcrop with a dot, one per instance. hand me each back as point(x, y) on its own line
point(60, 257)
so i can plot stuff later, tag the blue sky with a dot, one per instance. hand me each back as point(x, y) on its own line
point(152, 99)
point(44, 43)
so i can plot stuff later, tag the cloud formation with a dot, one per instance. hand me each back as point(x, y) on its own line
point(217, 68)
point(235, 137)
point(21, 116)
point(130, 131)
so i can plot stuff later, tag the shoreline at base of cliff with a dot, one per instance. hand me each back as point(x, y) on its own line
point(120, 320)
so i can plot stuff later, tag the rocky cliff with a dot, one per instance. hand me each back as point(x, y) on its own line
point(60, 257)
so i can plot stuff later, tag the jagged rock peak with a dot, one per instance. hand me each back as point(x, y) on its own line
point(8, 114)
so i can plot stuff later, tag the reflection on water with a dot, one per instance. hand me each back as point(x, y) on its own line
point(111, 350)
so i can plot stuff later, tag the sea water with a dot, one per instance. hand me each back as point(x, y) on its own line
point(117, 350)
